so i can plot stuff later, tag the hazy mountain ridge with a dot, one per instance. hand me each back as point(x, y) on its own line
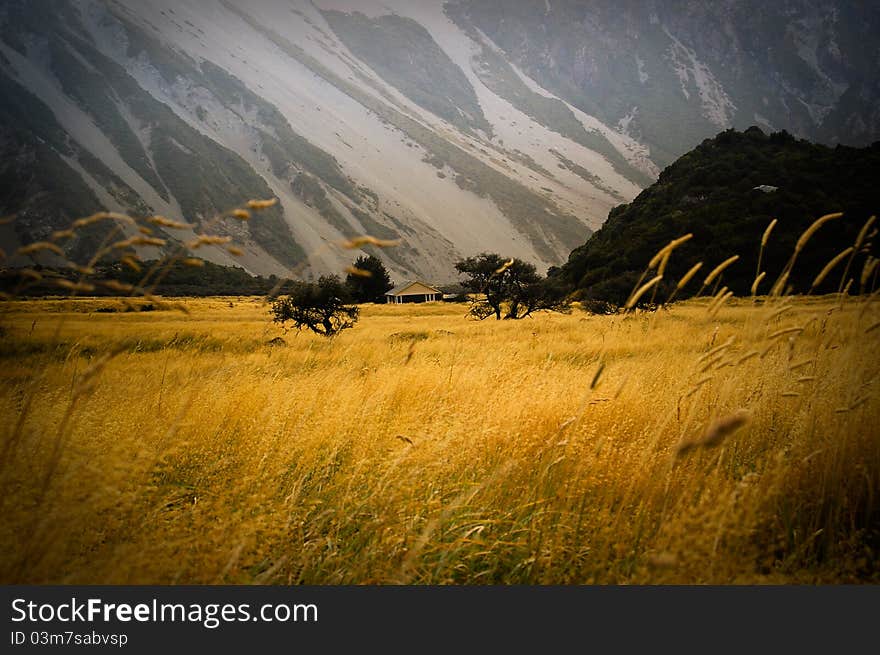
point(672, 74)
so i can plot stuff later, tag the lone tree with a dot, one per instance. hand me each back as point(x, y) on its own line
point(368, 280)
point(321, 307)
point(508, 288)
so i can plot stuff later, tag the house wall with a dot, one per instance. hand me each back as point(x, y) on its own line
point(414, 297)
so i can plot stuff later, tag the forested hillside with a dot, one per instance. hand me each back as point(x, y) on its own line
point(711, 192)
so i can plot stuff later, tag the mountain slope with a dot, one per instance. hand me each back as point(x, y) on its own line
point(457, 127)
point(198, 106)
point(711, 193)
point(672, 74)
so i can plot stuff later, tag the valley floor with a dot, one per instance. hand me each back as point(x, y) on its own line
point(422, 447)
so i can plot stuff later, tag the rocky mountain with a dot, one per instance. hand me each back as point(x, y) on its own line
point(456, 127)
point(725, 194)
point(671, 74)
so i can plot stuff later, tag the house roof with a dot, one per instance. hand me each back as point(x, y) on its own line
point(400, 289)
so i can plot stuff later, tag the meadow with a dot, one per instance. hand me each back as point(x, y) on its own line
point(737, 445)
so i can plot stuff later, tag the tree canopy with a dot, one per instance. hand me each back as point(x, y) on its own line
point(368, 280)
point(321, 307)
point(507, 288)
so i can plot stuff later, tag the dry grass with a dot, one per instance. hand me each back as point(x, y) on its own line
point(420, 447)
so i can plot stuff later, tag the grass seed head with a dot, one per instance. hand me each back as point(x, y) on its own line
point(766, 236)
point(719, 269)
point(757, 281)
point(358, 272)
point(102, 216)
point(810, 231)
point(39, 246)
point(83, 287)
point(504, 267)
point(689, 275)
point(116, 285)
point(641, 292)
point(262, 204)
point(138, 241)
point(208, 240)
point(716, 433)
point(161, 221)
point(863, 233)
point(867, 270)
point(830, 266)
point(595, 381)
point(357, 242)
point(131, 261)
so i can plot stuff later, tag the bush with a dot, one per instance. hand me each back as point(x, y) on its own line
point(321, 307)
point(509, 289)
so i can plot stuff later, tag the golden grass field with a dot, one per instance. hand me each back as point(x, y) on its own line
point(422, 447)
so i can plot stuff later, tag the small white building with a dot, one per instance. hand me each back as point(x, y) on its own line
point(413, 291)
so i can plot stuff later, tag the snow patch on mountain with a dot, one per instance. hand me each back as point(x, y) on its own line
point(513, 130)
point(717, 106)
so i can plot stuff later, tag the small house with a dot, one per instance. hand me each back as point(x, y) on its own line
point(413, 291)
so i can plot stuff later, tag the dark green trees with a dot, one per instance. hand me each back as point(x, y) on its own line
point(368, 280)
point(721, 192)
point(507, 288)
point(321, 307)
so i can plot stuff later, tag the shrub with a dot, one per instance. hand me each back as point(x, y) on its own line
point(321, 307)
